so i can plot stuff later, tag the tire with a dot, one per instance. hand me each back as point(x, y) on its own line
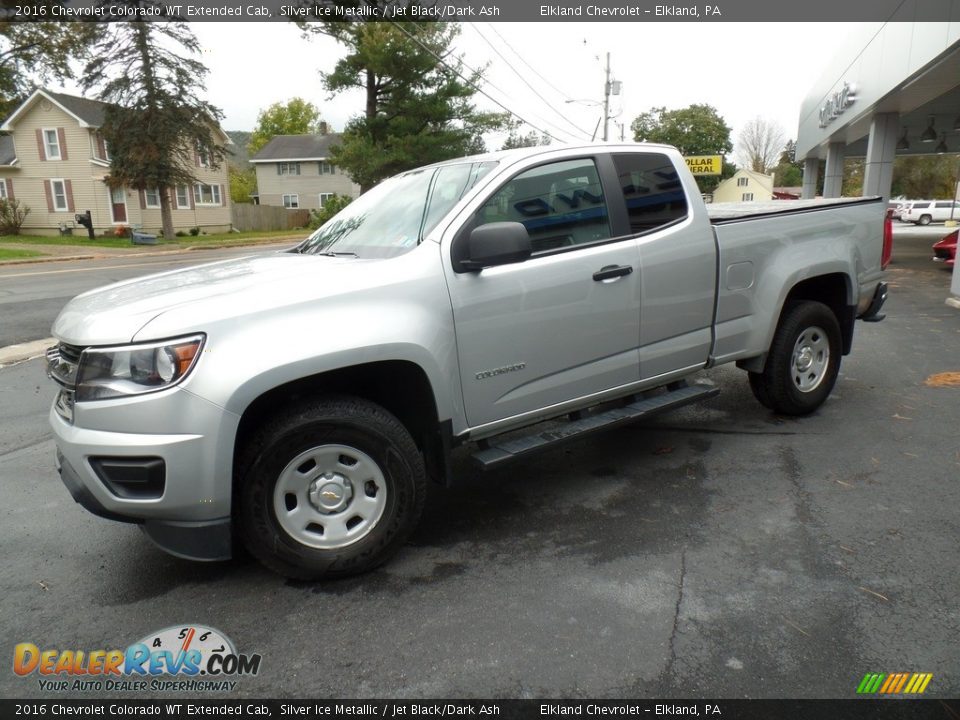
point(331, 488)
point(925, 219)
point(803, 363)
point(760, 390)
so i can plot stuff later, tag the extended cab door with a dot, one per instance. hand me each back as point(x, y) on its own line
point(677, 271)
point(562, 324)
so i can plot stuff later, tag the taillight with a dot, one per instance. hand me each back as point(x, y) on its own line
point(887, 240)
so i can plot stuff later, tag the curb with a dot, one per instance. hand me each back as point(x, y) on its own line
point(24, 351)
point(153, 253)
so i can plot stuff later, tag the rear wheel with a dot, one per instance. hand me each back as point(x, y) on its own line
point(803, 363)
point(925, 219)
point(332, 488)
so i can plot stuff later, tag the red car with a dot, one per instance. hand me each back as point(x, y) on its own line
point(945, 251)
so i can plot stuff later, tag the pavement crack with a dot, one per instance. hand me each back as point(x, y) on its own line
point(676, 617)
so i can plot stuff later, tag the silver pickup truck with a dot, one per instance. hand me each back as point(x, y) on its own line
point(298, 402)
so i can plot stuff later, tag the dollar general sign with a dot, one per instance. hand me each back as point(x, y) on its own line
point(704, 164)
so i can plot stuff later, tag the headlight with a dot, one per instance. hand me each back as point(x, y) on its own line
point(135, 369)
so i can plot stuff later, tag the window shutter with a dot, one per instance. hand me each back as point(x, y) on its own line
point(223, 196)
point(10, 189)
point(49, 193)
point(101, 147)
point(40, 147)
point(193, 202)
point(143, 199)
point(196, 157)
point(62, 138)
point(278, 169)
point(68, 188)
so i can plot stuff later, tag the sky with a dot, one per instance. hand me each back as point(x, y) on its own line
point(742, 69)
point(549, 73)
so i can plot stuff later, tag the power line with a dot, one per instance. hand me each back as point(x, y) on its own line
point(535, 71)
point(472, 84)
point(527, 83)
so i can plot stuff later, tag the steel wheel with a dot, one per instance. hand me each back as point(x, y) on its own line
point(330, 496)
point(810, 359)
point(331, 486)
point(803, 362)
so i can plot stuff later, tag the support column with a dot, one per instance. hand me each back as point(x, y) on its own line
point(811, 172)
point(881, 149)
point(833, 174)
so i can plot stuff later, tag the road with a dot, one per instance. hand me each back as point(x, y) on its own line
point(31, 294)
point(719, 551)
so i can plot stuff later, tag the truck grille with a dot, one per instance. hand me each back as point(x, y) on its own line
point(62, 363)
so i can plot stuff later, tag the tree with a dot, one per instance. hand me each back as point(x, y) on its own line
point(418, 96)
point(151, 88)
point(33, 53)
point(517, 140)
point(760, 144)
point(331, 206)
point(243, 183)
point(693, 130)
point(925, 177)
point(788, 172)
point(295, 117)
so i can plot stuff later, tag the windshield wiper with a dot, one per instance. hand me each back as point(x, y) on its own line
point(338, 254)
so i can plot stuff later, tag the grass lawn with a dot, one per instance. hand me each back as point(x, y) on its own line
point(12, 254)
point(188, 241)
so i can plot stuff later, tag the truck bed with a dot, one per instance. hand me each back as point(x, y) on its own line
point(720, 213)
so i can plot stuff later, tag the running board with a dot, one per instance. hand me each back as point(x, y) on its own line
point(493, 455)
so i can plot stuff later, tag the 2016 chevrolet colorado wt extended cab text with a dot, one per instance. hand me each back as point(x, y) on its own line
point(298, 402)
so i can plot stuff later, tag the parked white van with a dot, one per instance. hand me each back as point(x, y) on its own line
point(924, 212)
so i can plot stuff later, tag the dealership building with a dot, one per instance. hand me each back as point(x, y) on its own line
point(893, 89)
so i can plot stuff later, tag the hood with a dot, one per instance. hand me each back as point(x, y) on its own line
point(115, 313)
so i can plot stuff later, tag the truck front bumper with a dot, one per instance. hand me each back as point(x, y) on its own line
point(177, 487)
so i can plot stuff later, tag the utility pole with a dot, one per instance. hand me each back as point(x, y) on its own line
point(606, 100)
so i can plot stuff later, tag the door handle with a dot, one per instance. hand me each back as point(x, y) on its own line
point(611, 272)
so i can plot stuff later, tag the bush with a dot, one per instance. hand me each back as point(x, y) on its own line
point(331, 207)
point(180, 233)
point(194, 231)
point(12, 215)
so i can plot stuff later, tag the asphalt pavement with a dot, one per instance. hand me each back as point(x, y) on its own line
point(719, 551)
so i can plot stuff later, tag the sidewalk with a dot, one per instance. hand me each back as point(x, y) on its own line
point(79, 251)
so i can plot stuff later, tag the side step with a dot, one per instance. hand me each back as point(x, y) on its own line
point(493, 455)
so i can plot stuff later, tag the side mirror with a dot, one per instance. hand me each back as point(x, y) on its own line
point(499, 243)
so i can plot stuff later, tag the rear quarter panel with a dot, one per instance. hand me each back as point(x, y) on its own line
point(762, 258)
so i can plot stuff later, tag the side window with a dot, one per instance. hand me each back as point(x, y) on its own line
point(449, 185)
point(652, 190)
point(560, 204)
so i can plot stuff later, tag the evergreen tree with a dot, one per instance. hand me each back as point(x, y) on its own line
point(157, 128)
point(418, 109)
point(33, 53)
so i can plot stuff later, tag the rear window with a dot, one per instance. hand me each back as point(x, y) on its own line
point(652, 190)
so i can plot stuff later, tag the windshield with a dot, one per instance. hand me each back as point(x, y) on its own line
point(394, 217)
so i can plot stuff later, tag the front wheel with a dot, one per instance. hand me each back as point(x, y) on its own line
point(331, 488)
point(803, 363)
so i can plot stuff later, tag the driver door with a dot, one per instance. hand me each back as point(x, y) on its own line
point(561, 325)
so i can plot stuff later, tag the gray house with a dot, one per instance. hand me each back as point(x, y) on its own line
point(294, 171)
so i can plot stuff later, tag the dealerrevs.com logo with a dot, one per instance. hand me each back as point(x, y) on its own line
point(180, 658)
